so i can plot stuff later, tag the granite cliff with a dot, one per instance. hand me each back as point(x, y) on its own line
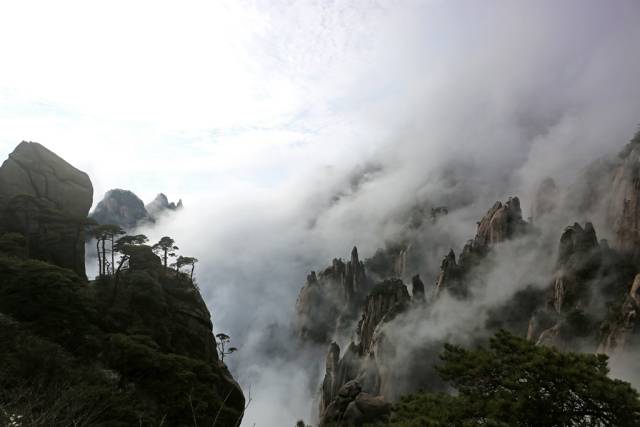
point(589, 301)
point(46, 200)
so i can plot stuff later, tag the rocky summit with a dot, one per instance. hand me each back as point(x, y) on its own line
point(161, 205)
point(588, 299)
point(121, 207)
point(46, 200)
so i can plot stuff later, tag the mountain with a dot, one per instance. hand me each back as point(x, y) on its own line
point(134, 347)
point(124, 208)
point(566, 289)
point(160, 205)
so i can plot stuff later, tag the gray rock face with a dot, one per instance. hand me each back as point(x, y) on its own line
point(624, 206)
point(33, 170)
point(450, 275)
point(502, 222)
point(353, 407)
point(360, 367)
point(331, 299)
point(385, 301)
point(47, 200)
point(589, 276)
point(622, 334)
point(161, 205)
point(121, 207)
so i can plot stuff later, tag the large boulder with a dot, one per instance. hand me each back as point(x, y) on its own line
point(47, 200)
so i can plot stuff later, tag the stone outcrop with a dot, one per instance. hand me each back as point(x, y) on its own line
point(624, 204)
point(161, 205)
point(47, 200)
point(579, 256)
point(391, 261)
point(123, 208)
point(353, 407)
point(449, 276)
point(361, 363)
point(385, 301)
point(620, 332)
point(331, 298)
point(502, 222)
point(589, 275)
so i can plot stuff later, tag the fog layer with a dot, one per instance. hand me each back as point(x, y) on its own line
point(443, 104)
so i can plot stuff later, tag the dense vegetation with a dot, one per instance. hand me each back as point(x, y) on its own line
point(124, 352)
point(516, 383)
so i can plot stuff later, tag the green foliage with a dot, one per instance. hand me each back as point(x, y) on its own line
point(516, 383)
point(180, 382)
point(41, 384)
point(91, 356)
point(13, 244)
point(53, 300)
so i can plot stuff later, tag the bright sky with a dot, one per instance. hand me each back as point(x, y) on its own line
point(182, 96)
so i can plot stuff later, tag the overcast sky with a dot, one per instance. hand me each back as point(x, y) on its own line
point(184, 97)
point(179, 97)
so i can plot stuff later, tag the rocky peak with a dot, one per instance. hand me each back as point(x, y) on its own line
point(385, 301)
point(355, 277)
point(502, 222)
point(577, 241)
point(331, 298)
point(577, 253)
point(161, 204)
point(358, 372)
point(34, 171)
point(46, 200)
point(121, 207)
point(449, 275)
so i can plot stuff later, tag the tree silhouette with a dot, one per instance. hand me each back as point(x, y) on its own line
point(223, 341)
point(183, 261)
point(125, 246)
point(166, 247)
point(104, 233)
